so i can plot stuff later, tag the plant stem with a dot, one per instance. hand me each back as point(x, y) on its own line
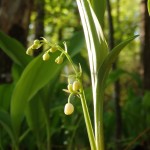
point(87, 120)
point(84, 104)
point(99, 131)
point(69, 59)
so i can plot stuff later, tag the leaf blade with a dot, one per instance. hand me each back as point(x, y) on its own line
point(106, 66)
point(96, 43)
point(14, 50)
point(99, 7)
point(35, 76)
point(5, 121)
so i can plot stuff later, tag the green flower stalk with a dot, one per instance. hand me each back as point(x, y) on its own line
point(100, 61)
point(74, 89)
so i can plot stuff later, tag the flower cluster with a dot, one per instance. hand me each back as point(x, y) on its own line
point(36, 45)
point(74, 86)
point(72, 89)
point(46, 56)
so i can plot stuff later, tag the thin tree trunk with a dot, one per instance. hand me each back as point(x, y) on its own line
point(15, 16)
point(145, 44)
point(39, 22)
point(14, 21)
point(117, 83)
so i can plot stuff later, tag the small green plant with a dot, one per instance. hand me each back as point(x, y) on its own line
point(100, 60)
point(21, 97)
point(75, 86)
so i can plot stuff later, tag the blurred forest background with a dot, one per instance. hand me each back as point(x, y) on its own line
point(127, 97)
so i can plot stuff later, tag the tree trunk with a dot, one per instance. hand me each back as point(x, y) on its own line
point(14, 16)
point(117, 83)
point(39, 22)
point(145, 44)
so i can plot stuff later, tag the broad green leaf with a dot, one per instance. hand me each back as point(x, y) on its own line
point(97, 52)
point(95, 41)
point(99, 7)
point(5, 95)
point(148, 5)
point(35, 117)
point(16, 71)
point(35, 76)
point(100, 86)
point(14, 50)
point(106, 66)
point(5, 121)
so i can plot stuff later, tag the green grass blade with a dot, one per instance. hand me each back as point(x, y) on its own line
point(14, 50)
point(35, 76)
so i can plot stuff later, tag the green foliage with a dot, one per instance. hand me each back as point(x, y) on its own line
point(99, 7)
point(32, 106)
point(117, 73)
point(28, 85)
point(146, 100)
point(112, 56)
point(4, 96)
point(5, 121)
point(33, 78)
point(100, 62)
point(14, 50)
point(96, 44)
point(60, 19)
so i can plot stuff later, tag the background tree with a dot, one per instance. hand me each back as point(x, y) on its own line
point(39, 22)
point(145, 43)
point(15, 17)
point(116, 93)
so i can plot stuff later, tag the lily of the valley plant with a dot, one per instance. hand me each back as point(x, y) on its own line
point(100, 60)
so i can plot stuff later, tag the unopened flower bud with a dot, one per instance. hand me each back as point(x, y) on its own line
point(70, 89)
point(59, 60)
point(35, 46)
point(44, 40)
point(36, 42)
point(29, 51)
point(69, 109)
point(46, 56)
point(76, 85)
point(53, 49)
